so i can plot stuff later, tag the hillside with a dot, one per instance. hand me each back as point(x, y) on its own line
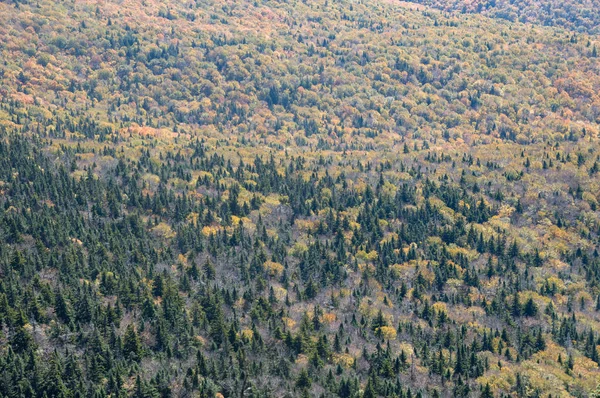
point(578, 16)
point(298, 199)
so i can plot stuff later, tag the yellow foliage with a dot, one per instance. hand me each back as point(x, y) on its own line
point(583, 296)
point(456, 250)
point(404, 269)
point(366, 267)
point(355, 225)
point(427, 274)
point(434, 240)
point(439, 307)
point(345, 360)
point(302, 359)
point(246, 335)
point(289, 322)
point(328, 318)
point(273, 268)
point(574, 288)
point(152, 179)
point(280, 292)
point(388, 332)
point(366, 309)
point(455, 283)
point(208, 230)
point(588, 197)
point(273, 200)
point(298, 249)
point(506, 210)
point(554, 281)
point(558, 265)
point(164, 231)
point(192, 218)
point(362, 255)
point(200, 340)
point(407, 348)
point(239, 304)
point(388, 237)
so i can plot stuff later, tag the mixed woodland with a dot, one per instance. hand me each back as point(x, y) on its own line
point(285, 198)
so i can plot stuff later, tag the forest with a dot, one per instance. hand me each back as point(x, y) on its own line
point(580, 16)
point(287, 198)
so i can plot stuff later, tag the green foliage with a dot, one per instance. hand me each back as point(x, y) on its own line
point(306, 198)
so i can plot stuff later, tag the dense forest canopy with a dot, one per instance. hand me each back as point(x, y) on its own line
point(578, 16)
point(325, 198)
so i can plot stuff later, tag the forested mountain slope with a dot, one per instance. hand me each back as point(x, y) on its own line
point(286, 198)
point(578, 16)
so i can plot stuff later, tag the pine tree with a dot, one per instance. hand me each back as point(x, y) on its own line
point(303, 381)
point(530, 309)
point(216, 321)
point(52, 384)
point(370, 389)
point(63, 308)
point(487, 391)
point(540, 342)
point(209, 270)
point(516, 306)
point(132, 347)
point(22, 341)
